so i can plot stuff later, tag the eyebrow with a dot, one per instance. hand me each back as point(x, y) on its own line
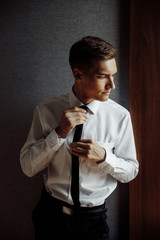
point(105, 74)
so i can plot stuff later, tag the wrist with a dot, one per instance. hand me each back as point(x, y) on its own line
point(104, 157)
point(60, 132)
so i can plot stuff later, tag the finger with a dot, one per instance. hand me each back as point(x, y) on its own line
point(74, 115)
point(80, 145)
point(86, 141)
point(81, 115)
point(77, 109)
point(78, 120)
point(79, 149)
point(82, 155)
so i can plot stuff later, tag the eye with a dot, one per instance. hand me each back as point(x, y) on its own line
point(101, 76)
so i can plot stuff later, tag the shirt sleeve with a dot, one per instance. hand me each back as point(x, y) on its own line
point(121, 161)
point(40, 147)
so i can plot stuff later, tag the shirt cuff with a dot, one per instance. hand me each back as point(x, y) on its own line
point(106, 164)
point(53, 141)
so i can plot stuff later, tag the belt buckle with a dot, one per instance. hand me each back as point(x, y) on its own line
point(68, 211)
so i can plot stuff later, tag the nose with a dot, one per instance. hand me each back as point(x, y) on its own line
point(110, 84)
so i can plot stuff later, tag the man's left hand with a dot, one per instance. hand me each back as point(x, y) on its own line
point(88, 149)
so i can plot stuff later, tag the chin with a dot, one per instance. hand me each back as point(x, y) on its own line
point(103, 98)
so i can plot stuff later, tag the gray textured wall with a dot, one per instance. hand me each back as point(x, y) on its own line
point(35, 37)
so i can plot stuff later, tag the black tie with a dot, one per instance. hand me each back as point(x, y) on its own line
point(75, 166)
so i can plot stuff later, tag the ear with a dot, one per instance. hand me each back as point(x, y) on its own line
point(77, 74)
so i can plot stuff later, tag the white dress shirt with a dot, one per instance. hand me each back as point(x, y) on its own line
point(109, 124)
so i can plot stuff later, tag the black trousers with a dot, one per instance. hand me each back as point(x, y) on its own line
point(51, 223)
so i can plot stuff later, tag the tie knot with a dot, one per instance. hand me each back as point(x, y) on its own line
point(84, 107)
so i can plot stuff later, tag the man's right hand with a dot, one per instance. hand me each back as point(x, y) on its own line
point(69, 119)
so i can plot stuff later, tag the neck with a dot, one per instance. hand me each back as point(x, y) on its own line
point(80, 95)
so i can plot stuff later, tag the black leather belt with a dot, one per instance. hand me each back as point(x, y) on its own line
point(70, 209)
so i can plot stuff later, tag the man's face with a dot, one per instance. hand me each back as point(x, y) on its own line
point(98, 82)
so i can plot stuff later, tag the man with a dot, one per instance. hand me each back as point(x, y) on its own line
point(72, 203)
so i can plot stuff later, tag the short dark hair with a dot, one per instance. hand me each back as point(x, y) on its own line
point(84, 52)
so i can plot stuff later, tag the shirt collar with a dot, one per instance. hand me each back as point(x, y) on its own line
point(74, 101)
